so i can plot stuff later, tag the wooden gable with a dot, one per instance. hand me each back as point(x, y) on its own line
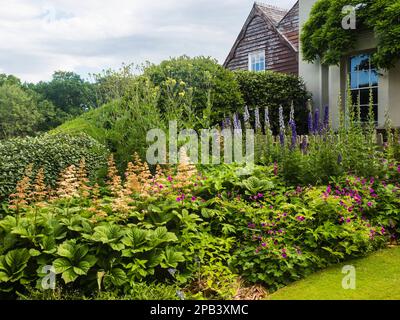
point(262, 32)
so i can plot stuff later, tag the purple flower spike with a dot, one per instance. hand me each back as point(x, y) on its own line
point(316, 122)
point(293, 128)
point(310, 123)
point(326, 118)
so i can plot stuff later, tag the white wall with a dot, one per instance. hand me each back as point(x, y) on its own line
point(315, 76)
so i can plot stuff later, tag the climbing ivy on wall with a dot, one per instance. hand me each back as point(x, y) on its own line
point(324, 37)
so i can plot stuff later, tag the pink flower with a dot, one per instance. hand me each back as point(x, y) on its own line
point(179, 199)
point(194, 198)
point(369, 204)
point(169, 178)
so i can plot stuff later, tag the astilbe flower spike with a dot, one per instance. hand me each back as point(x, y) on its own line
point(20, 198)
point(82, 176)
point(68, 184)
point(39, 192)
point(114, 180)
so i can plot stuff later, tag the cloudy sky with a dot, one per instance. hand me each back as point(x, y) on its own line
point(38, 37)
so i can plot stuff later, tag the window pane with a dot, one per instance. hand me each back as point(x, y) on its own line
point(364, 62)
point(364, 97)
point(354, 80)
point(374, 78)
point(354, 62)
point(354, 96)
point(363, 79)
point(375, 94)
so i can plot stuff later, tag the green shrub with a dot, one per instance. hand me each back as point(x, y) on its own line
point(272, 89)
point(52, 153)
point(202, 78)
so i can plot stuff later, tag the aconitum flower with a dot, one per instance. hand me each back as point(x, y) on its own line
point(293, 128)
point(310, 123)
point(236, 122)
point(326, 117)
point(281, 126)
point(316, 121)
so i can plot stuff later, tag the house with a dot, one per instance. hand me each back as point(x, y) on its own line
point(269, 40)
point(326, 83)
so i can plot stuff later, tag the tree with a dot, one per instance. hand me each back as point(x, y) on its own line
point(68, 92)
point(204, 79)
point(19, 115)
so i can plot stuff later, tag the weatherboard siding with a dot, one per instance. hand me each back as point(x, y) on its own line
point(259, 36)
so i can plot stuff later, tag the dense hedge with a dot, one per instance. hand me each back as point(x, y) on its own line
point(52, 152)
point(272, 89)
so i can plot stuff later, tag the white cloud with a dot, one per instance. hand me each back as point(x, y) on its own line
point(40, 36)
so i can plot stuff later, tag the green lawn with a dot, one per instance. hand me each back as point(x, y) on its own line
point(377, 278)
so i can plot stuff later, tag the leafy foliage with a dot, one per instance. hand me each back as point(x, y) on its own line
point(324, 37)
point(272, 90)
point(121, 125)
point(204, 80)
point(51, 152)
